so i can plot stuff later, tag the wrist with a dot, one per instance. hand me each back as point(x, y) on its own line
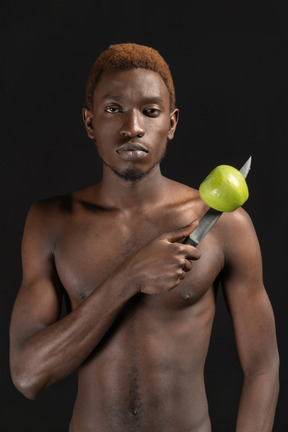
point(126, 280)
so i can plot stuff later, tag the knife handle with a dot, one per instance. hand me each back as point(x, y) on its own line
point(190, 241)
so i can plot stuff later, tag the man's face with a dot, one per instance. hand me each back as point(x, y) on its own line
point(131, 121)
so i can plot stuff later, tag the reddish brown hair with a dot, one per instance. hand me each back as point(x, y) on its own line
point(129, 56)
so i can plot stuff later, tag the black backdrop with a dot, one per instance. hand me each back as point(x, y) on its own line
point(228, 59)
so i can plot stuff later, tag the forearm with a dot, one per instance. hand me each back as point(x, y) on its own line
point(258, 402)
point(55, 351)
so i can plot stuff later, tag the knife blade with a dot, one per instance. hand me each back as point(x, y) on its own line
point(211, 217)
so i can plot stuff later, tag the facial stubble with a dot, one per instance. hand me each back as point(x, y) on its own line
point(132, 174)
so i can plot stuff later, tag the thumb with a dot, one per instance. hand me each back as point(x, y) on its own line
point(181, 233)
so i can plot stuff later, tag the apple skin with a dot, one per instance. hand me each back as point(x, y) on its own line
point(224, 189)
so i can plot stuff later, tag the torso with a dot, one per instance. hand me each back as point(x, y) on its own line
point(147, 372)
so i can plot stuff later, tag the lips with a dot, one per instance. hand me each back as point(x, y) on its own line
point(132, 151)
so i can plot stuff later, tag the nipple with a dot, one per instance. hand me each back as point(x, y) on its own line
point(134, 412)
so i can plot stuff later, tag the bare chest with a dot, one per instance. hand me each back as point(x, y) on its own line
point(89, 250)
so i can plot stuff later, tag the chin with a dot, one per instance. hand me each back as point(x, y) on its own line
point(132, 174)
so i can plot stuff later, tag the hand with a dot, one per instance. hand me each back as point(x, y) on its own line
point(161, 265)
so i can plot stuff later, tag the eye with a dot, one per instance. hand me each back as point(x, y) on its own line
point(152, 112)
point(112, 110)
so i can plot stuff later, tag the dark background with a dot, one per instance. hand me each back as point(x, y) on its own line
point(229, 62)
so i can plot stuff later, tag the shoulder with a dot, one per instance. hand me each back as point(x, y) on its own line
point(45, 217)
point(185, 202)
point(235, 224)
point(58, 206)
point(236, 235)
point(49, 208)
point(43, 221)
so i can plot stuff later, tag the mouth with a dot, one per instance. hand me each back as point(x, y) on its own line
point(132, 151)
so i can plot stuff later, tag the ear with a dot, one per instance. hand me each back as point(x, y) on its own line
point(88, 121)
point(174, 117)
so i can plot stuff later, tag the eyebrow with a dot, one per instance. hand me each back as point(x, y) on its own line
point(110, 97)
point(150, 99)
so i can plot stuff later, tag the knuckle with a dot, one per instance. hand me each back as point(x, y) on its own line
point(194, 253)
point(180, 261)
point(180, 249)
point(174, 250)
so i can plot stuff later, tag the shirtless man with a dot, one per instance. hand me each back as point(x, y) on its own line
point(142, 302)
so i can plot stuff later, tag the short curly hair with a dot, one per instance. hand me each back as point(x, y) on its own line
point(127, 56)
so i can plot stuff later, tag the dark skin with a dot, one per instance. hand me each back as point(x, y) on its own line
point(142, 302)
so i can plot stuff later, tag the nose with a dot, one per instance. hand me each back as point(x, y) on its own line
point(132, 125)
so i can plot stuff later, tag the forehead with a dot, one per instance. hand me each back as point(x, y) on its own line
point(133, 83)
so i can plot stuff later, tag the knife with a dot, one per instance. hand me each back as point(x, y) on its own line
point(211, 217)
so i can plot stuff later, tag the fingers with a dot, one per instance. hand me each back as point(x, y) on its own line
point(185, 260)
point(182, 232)
point(187, 266)
point(190, 252)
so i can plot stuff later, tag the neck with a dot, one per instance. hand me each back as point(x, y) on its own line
point(123, 194)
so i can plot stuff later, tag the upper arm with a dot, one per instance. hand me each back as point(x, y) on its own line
point(246, 297)
point(38, 301)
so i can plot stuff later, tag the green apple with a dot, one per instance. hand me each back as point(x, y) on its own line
point(224, 189)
